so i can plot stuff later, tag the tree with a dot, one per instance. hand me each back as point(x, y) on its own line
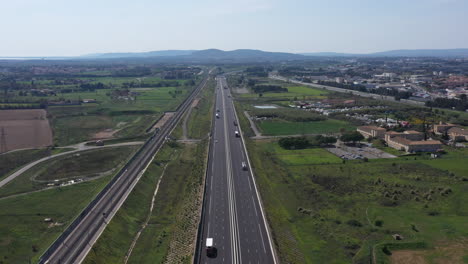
point(324, 140)
point(294, 143)
point(351, 137)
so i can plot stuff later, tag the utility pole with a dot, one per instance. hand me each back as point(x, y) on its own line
point(3, 144)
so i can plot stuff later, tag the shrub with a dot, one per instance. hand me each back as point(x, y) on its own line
point(379, 223)
point(354, 222)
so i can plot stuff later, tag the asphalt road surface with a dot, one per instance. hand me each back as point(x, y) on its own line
point(233, 216)
point(77, 240)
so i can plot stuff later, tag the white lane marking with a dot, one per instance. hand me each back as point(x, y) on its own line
point(273, 252)
point(261, 234)
point(255, 208)
point(231, 200)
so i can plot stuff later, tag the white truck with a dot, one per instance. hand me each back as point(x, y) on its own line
point(211, 251)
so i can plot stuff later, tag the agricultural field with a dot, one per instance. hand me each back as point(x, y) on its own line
point(324, 210)
point(23, 129)
point(115, 118)
point(279, 127)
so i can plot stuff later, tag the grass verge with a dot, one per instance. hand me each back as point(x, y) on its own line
point(171, 230)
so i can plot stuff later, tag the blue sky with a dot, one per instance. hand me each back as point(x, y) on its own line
point(61, 28)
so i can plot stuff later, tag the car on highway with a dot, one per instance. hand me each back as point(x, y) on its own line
point(217, 110)
point(236, 133)
point(217, 115)
point(244, 166)
point(234, 122)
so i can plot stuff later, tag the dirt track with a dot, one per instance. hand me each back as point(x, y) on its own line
point(25, 129)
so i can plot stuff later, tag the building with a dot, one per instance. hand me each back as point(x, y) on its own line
point(442, 128)
point(458, 134)
point(372, 131)
point(409, 135)
point(411, 141)
point(414, 146)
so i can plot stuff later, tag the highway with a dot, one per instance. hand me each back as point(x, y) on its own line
point(74, 244)
point(342, 90)
point(232, 212)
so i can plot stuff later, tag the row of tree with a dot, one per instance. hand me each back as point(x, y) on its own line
point(457, 104)
point(303, 142)
point(317, 141)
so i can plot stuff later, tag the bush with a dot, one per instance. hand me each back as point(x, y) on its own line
point(293, 115)
point(379, 223)
point(294, 143)
point(354, 222)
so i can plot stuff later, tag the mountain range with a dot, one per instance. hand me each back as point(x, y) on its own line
point(246, 55)
point(398, 53)
point(259, 55)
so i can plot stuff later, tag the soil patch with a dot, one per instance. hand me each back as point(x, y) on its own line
point(443, 253)
point(163, 120)
point(195, 102)
point(25, 129)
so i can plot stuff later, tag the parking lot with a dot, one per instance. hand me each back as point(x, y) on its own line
point(361, 152)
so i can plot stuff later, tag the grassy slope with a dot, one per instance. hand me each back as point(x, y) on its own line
point(116, 239)
point(333, 194)
point(22, 225)
point(165, 223)
point(276, 128)
point(201, 115)
point(11, 161)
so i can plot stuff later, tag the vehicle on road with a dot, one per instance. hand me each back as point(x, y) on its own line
point(234, 122)
point(237, 133)
point(217, 115)
point(217, 110)
point(244, 166)
point(211, 251)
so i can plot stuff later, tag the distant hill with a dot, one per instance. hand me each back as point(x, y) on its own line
point(240, 55)
point(424, 53)
point(329, 54)
point(158, 53)
point(399, 53)
point(244, 54)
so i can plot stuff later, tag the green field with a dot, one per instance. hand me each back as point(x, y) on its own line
point(9, 162)
point(69, 166)
point(302, 156)
point(301, 92)
point(277, 127)
point(347, 212)
point(23, 233)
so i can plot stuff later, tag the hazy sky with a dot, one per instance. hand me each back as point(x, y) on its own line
point(76, 27)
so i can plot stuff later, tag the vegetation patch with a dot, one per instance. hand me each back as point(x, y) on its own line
point(106, 161)
point(277, 128)
point(24, 235)
point(346, 212)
